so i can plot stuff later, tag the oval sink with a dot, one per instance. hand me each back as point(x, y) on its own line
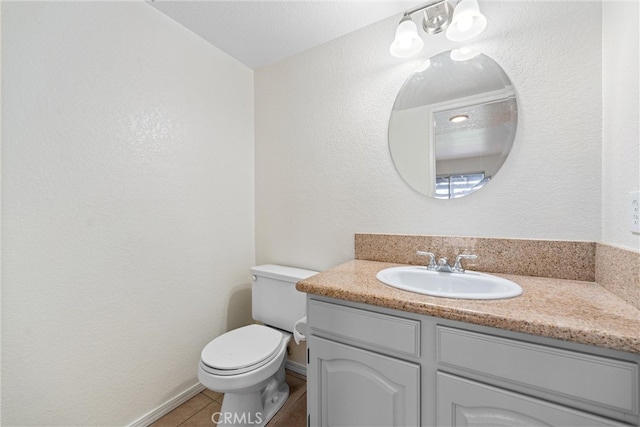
point(467, 285)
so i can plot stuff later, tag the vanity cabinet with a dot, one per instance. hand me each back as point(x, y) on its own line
point(375, 366)
point(351, 385)
point(355, 387)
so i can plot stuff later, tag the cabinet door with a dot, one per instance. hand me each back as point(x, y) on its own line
point(354, 387)
point(463, 402)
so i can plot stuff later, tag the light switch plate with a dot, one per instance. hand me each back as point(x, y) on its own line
point(634, 206)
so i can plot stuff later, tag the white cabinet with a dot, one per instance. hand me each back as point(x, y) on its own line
point(372, 366)
point(355, 387)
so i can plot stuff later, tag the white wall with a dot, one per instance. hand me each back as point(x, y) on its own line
point(128, 212)
point(621, 120)
point(323, 169)
point(128, 215)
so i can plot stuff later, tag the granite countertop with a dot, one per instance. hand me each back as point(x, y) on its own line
point(569, 310)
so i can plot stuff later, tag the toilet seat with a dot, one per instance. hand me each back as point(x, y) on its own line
point(241, 350)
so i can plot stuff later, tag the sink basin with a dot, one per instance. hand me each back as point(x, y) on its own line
point(467, 285)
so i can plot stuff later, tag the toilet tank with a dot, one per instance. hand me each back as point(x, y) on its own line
point(275, 300)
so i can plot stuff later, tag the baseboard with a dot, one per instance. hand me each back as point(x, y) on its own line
point(168, 406)
point(296, 367)
point(178, 400)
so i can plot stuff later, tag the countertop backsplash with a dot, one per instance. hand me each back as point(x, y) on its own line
point(616, 269)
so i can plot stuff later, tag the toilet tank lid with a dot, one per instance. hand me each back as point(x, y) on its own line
point(281, 272)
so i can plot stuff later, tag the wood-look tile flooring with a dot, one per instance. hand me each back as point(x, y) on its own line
point(197, 411)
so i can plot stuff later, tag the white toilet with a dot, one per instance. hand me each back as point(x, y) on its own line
point(247, 364)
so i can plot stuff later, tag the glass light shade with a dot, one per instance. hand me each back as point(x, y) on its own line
point(467, 21)
point(407, 41)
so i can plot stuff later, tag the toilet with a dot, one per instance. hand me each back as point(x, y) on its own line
point(247, 364)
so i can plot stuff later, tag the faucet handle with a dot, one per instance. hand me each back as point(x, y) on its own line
point(432, 258)
point(457, 266)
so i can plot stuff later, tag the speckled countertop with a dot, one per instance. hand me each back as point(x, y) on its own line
point(570, 310)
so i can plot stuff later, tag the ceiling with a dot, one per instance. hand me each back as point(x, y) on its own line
point(259, 33)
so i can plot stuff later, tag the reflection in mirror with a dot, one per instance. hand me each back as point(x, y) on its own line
point(453, 124)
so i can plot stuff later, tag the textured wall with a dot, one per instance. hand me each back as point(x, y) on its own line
point(323, 169)
point(128, 209)
point(620, 121)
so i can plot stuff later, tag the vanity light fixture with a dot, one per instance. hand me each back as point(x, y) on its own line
point(462, 23)
point(407, 42)
point(458, 118)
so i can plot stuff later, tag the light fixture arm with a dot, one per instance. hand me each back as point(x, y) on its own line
point(424, 7)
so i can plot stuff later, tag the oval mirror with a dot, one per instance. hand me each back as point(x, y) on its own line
point(453, 124)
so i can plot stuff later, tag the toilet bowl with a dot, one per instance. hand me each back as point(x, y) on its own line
point(247, 364)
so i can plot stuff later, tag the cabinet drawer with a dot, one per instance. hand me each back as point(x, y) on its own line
point(462, 402)
point(382, 332)
point(588, 378)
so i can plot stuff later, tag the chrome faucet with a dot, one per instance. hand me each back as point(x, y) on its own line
point(432, 259)
point(457, 266)
point(443, 264)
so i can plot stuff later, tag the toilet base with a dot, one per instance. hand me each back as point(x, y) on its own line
point(255, 407)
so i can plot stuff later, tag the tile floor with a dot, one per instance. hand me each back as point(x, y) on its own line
point(197, 411)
